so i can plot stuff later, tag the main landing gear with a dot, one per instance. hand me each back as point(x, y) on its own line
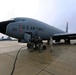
point(38, 46)
point(67, 41)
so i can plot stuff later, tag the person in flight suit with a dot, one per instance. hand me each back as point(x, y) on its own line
point(51, 43)
point(40, 44)
point(32, 40)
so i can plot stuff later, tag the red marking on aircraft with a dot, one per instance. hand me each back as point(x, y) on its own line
point(20, 29)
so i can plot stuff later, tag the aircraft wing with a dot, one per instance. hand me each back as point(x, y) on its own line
point(64, 36)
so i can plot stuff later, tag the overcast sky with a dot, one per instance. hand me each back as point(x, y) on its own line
point(53, 12)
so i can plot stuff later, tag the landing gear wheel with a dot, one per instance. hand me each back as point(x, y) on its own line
point(28, 45)
point(67, 41)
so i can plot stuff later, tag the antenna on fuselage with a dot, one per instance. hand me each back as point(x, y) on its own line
point(66, 27)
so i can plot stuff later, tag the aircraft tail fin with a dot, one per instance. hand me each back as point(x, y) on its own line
point(67, 27)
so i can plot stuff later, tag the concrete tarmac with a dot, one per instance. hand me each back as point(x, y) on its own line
point(61, 61)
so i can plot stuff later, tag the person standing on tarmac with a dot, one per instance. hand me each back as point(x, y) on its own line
point(32, 43)
point(40, 43)
point(36, 42)
point(51, 43)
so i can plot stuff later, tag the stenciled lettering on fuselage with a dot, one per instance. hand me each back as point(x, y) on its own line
point(32, 28)
point(21, 27)
point(14, 29)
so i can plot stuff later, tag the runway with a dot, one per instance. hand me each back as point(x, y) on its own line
point(61, 61)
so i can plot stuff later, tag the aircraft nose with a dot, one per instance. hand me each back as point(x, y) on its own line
point(3, 26)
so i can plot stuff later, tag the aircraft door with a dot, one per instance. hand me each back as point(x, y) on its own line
point(27, 37)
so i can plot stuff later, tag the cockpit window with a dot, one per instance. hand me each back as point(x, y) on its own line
point(18, 19)
point(12, 18)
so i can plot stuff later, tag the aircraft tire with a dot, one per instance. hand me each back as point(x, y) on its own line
point(28, 45)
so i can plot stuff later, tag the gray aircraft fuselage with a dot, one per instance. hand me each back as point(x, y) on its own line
point(19, 26)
